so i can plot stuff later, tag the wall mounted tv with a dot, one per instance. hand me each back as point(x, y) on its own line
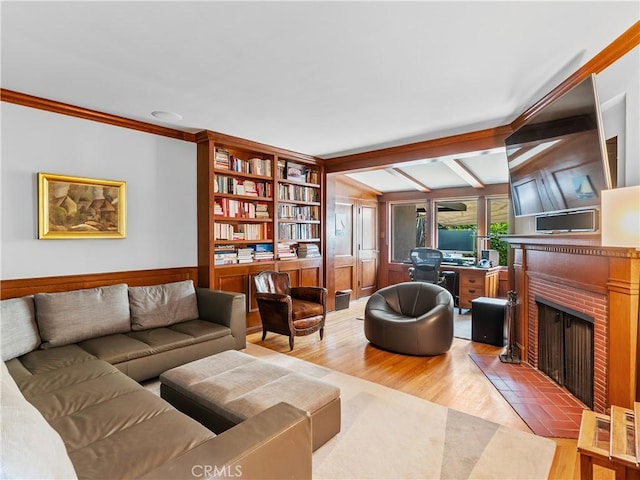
point(557, 159)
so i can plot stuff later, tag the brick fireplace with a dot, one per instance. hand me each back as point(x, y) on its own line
point(602, 283)
point(590, 303)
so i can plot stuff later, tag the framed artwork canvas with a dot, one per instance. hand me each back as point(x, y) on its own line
point(79, 207)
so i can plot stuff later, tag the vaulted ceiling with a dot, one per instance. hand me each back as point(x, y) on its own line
point(322, 78)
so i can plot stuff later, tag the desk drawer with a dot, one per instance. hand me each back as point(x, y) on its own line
point(468, 293)
point(472, 279)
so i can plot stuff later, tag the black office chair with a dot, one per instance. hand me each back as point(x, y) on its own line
point(426, 265)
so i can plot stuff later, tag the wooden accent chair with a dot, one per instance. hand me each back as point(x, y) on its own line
point(287, 310)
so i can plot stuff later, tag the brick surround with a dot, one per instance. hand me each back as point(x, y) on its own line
point(590, 303)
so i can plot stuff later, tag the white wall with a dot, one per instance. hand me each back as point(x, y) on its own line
point(161, 194)
point(619, 95)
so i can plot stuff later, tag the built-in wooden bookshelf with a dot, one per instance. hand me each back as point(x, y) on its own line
point(259, 208)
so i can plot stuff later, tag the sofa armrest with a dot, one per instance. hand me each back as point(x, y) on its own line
point(274, 444)
point(225, 308)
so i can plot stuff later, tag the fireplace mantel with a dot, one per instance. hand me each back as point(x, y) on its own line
point(609, 275)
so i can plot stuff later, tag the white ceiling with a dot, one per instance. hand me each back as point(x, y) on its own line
point(322, 78)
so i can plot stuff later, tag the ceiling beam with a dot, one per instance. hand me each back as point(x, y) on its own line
point(463, 172)
point(405, 177)
point(452, 145)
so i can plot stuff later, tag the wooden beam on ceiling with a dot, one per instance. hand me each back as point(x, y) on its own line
point(463, 172)
point(405, 177)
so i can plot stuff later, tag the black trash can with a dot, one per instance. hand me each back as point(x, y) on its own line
point(342, 299)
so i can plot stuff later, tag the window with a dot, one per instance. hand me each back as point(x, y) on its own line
point(457, 226)
point(409, 229)
point(498, 221)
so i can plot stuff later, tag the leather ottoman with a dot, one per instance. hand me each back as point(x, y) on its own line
point(223, 390)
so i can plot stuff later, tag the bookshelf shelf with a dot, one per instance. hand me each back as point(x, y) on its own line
point(241, 242)
point(246, 198)
point(219, 218)
point(251, 176)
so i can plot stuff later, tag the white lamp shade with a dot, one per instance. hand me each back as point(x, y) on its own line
point(620, 213)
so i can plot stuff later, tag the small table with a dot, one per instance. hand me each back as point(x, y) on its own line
point(606, 441)
point(225, 389)
point(488, 321)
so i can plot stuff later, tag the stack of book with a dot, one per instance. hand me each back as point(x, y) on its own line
point(221, 159)
point(260, 166)
point(249, 187)
point(245, 255)
point(225, 255)
point(262, 210)
point(286, 252)
point(308, 250)
point(263, 252)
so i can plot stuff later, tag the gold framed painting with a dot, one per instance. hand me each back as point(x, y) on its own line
point(78, 207)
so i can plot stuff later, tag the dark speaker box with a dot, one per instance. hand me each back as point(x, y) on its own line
point(488, 322)
point(583, 221)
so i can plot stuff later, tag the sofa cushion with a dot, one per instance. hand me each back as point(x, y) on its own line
point(18, 330)
point(116, 348)
point(30, 447)
point(41, 361)
point(162, 305)
point(69, 317)
point(162, 339)
point(201, 330)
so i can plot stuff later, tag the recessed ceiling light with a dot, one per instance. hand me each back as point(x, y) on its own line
point(167, 116)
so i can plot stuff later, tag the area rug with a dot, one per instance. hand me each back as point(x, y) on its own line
point(462, 326)
point(548, 409)
point(387, 434)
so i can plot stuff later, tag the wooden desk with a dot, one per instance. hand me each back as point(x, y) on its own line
point(474, 282)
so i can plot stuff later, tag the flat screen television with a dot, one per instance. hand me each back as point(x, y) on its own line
point(557, 159)
point(456, 241)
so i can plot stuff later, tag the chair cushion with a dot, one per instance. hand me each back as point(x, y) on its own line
point(18, 331)
point(162, 305)
point(306, 323)
point(70, 317)
point(302, 309)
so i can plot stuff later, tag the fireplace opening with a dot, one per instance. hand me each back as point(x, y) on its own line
point(565, 348)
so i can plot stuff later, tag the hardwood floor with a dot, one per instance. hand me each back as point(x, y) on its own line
point(452, 379)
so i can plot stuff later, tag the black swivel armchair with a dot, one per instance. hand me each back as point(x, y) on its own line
point(426, 265)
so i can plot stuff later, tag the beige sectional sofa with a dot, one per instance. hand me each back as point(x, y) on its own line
point(72, 406)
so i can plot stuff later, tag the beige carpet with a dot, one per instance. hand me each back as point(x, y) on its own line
point(387, 434)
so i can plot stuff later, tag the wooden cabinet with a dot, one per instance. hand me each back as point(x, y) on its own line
point(259, 208)
point(476, 282)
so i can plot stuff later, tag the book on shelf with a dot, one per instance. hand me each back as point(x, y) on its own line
point(245, 255)
point(250, 188)
point(308, 250)
point(260, 166)
point(286, 251)
point(262, 252)
point(225, 255)
point(262, 210)
point(221, 159)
